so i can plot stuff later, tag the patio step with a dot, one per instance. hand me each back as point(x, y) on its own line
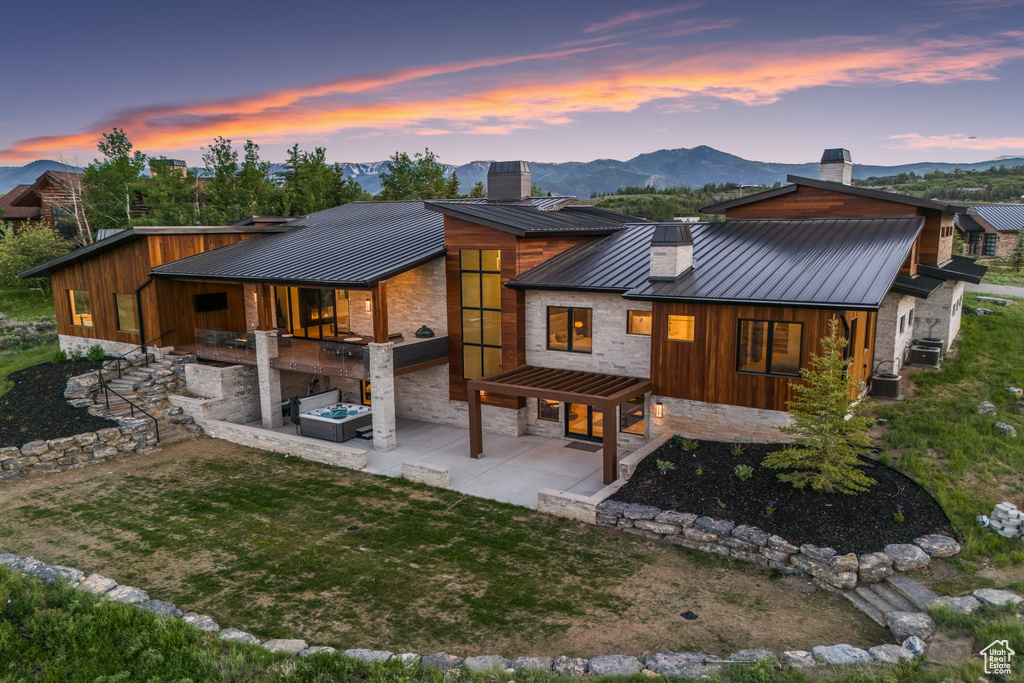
point(875, 600)
point(917, 593)
point(893, 598)
point(864, 606)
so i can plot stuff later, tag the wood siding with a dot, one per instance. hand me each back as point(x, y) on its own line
point(706, 368)
point(178, 322)
point(811, 202)
point(517, 255)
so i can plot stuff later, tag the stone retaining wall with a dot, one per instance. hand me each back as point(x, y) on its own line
point(316, 450)
point(130, 436)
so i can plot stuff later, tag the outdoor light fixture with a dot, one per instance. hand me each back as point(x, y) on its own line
point(659, 409)
point(367, 304)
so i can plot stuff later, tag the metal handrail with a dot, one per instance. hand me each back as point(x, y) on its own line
point(107, 390)
point(120, 358)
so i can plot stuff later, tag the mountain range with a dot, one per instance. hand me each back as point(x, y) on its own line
point(664, 168)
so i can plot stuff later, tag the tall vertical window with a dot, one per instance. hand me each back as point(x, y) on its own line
point(127, 313)
point(990, 244)
point(480, 271)
point(81, 311)
point(570, 329)
point(769, 348)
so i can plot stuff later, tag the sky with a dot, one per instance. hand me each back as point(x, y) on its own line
point(561, 80)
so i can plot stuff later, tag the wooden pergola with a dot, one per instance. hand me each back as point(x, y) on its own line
point(602, 392)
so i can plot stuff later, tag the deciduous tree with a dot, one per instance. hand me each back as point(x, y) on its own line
point(34, 243)
point(109, 185)
point(311, 185)
point(420, 176)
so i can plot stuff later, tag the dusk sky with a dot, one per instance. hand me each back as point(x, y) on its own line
point(893, 81)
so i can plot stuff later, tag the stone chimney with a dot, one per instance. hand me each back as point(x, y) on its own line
point(508, 181)
point(671, 250)
point(836, 166)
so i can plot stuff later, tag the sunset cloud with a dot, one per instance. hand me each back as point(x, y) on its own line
point(913, 141)
point(503, 94)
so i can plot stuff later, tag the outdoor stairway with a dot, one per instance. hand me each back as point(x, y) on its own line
point(138, 386)
point(897, 594)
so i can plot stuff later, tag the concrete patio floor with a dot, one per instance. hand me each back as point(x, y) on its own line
point(512, 468)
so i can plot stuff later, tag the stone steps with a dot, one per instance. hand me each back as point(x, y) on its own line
point(878, 600)
point(864, 606)
point(916, 593)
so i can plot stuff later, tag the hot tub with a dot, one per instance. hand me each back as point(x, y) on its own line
point(335, 422)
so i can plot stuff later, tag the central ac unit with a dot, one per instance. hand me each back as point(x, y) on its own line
point(931, 343)
point(925, 355)
point(886, 385)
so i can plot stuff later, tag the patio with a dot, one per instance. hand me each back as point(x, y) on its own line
point(512, 471)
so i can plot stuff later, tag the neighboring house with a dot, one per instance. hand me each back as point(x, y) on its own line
point(54, 198)
point(515, 314)
point(991, 230)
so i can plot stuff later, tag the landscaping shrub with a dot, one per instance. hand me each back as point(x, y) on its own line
point(96, 354)
point(59, 356)
point(830, 435)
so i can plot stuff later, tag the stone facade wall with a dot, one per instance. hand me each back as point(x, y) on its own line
point(416, 298)
point(423, 395)
point(1005, 244)
point(718, 422)
point(939, 314)
point(129, 436)
point(614, 351)
point(890, 344)
point(69, 343)
point(232, 392)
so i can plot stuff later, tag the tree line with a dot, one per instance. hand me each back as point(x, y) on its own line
point(996, 184)
point(665, 203)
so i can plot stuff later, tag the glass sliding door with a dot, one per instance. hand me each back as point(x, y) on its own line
point(583, 422)
point(312, 313)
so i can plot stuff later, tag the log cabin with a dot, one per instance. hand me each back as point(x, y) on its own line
point(533, 315)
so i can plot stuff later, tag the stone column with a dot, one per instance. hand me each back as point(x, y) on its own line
point(382, 382)
point(269, 379)
point(252, 315)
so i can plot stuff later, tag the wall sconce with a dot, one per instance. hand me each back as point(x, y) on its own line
point(659, 409)
point(367, 304)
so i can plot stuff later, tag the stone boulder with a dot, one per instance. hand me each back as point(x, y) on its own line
point(532, 664)
point(937, 545)
point(997, 598)
point(234, 635)
point(907, 557)
point(52, 573)
point(35, 449)
point(316, 649)
point(965, 605)
point(97, 584)
point(916, 646)
point(1018, 407)
point(369, 656)
point(290, 646)
point(1000, 427)
point(798, 659)
point(752, 655)
point(722, 527)
point(201, 622)
point(441, 660)
point(127, 594)
point(484, 663)
point(840, 654)
point(682, 664)
point(633, 511)
point(820, 554)
point(986, 408)
point(161, 609)
point(569, 666)
point(890, 654)
point(906, 624)
point(409, 659)
point(874, 567)
point(615, 665)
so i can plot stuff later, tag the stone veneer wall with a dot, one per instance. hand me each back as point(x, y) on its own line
point(69, 343)
point(890, 344)
point(225, 393)
point(939, 314)
point(718, 422)
point(415, 297)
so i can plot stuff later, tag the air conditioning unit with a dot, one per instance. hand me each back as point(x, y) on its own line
point(931, 343)
point(886, 385)
point(925, 355)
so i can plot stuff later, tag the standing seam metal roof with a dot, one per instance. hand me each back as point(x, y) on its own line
point(1002, 217)
point(532, 220)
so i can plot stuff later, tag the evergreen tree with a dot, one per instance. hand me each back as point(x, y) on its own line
point(478, 191)
point(257, 191)
point(173, 197)
point(109, 186)
point(830, 435)
point(220, 186)
point(1017, 255)
point(421, 176)
point(311, 185)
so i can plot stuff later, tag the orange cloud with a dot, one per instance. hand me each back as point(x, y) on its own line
point(914, 141)
point(498, 95)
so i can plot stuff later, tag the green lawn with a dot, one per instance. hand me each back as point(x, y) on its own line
point(286, 548)
point(12, 360)
point(1003, 276)
point(25, 304)
point(937, 436)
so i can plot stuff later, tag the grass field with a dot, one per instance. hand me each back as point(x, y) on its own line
point(286, 548)
point(937, 436)
point(25, 304)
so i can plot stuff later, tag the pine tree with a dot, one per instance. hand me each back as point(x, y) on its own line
point(1017, 255)
point(420, 176)
point(830, 435)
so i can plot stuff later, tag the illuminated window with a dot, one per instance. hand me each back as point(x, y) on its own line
point(127, 313)
point(570, 329)
point(631, 416)
point(547, 410)
point(680, 327)
point(480, 271)
point(364, 392)
point(81, 312)
point(639, 322)
point(769, 348)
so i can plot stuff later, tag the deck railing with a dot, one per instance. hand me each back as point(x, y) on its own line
point(226, 346)
point(320, 357)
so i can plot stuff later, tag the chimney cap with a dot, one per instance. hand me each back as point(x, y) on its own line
point(517, 167)
point(836, 156)
point(672, 234)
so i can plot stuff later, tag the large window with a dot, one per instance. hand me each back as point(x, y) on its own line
point(990, 244)
point(631, 416)
point(547, 410)
point(127, 313)
point(680, 327)
point(639, 322)
point(570, 329)
point(81, 311)
point(771, 348)
point(315, 313)
point(480, 270)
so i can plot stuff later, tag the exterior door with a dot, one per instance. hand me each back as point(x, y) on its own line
point(583, 422)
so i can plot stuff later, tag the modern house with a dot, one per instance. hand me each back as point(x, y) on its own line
point(991, 230)
point(531, 315)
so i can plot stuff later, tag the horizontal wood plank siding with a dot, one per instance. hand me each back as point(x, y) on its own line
point(705, 369)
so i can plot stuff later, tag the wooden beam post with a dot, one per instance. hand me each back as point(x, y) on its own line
point(379, 302)
point(476, 437)
point(611, 459)
point(265, 308)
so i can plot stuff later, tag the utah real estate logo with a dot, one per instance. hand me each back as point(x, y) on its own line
point(997, 658)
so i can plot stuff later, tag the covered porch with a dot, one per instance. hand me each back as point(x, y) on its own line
point(604, 393)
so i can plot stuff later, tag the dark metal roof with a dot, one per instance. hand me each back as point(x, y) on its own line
point(354, 245)
point(1002, 217)
point(516, 167)
point(967, 223)
point(534, 221)
point(821, 262)
point(920, 286)
point(957, 268)
point(835, 187)
point(832, 156)
point(616, 263)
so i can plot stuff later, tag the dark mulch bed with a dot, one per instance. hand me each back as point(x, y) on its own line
point(35, 409)
point(849, 524)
